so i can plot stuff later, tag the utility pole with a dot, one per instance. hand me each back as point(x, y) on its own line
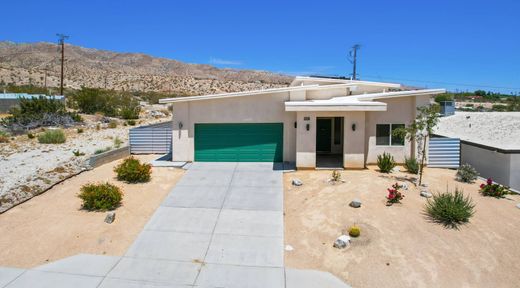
point(353, 59)
point(61, 42)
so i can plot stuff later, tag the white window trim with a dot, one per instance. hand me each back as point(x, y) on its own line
point(390, 135)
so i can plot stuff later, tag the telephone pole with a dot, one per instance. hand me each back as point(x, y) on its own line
point(353, 59)
point(61, 42)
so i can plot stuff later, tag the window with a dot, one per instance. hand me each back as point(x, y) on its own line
point(384, 135)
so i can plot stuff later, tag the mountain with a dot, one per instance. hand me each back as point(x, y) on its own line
point(39, 64)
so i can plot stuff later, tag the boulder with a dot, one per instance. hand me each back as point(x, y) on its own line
point(518, 206)
point(297, 182)
point(111, 216)
point(342, 242)
point(426, 194)
point(356, 203)
point(288, 248)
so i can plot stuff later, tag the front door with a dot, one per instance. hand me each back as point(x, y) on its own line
point(323, 134)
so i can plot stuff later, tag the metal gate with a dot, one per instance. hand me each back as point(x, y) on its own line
point(151, 139)
point(444, 152)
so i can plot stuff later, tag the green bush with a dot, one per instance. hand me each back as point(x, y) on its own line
point(102, 150)
point(55, 136)
point(411, 165)
point(466, 173)
point(131, 122)
point(385, 162)
point(132, 171)
point(117, 143)
point(80, 130)
point(100, 197)
point(4, 136)
point(77, 153)
point(30, 135)
point(110, 103)
point(112, 124)
point(450, 209)
point(493, 189)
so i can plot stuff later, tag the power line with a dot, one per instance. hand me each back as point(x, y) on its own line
point(61, 41)
point(442, 82)
point(353, 59)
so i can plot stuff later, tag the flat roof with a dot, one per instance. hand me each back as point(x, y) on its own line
point(500, 130)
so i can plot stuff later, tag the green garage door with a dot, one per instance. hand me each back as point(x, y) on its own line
point(258, 142)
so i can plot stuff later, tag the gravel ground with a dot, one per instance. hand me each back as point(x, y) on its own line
point(495, 129)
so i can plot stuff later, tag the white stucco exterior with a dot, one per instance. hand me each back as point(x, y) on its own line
point(360, 104)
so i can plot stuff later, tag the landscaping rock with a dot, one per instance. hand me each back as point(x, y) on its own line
point(342, 242)
point(288, 248)
point(404, 186)
point(356, 203)
point(297, 182)
point(111, 216)
point(518, 205)
point(426, 194)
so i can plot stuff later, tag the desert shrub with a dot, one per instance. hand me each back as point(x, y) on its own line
point(30, 135)
point(450, 209)
point(394, 195)
point(131, 122)
point(354, 231)
point(102, 150)
point(336, 176)
point(493, 189)
point(4, 136)
point(117, 142)
point(98, 126)
point(411, 165)
point(112, 124)
point(80, 130)
point(102, 197)
point(55, 136)
point(110, 103)
point(385, 162)
point(133, 171)
point(466, 173)
point(77, 153)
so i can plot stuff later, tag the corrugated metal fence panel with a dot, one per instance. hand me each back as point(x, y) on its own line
point(444, 152)
point(153, 139)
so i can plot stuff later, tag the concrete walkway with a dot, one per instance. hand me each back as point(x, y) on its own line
point(221, 226)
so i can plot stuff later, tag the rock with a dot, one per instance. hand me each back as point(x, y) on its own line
point(342, 242)
point(356, 203)
point(395, 169)
point(111, 216)
point(288, 248)
point(424, 185)
point(404, 186)
point(297, 182)
point(426, 194)
point(518, 206)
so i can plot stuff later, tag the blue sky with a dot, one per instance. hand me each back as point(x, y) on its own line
point(457, 44)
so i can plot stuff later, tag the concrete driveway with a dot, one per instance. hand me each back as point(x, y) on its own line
point(221, 226)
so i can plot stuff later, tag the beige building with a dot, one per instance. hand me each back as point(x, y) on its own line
point(315, 122)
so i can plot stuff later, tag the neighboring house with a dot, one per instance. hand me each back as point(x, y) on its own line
point(315, 122)
point(10, 100)
point(490, 142)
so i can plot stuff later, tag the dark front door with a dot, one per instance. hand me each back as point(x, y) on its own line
point(323, 134)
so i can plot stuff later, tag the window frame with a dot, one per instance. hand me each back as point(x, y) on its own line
point(390, 136)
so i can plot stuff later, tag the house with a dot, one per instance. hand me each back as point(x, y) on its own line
point(315, 122)
point(489, 141)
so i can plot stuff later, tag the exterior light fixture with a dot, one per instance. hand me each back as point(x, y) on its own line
point(353, 126)
point(295, 124)
point(180, 125)
point(308, 126)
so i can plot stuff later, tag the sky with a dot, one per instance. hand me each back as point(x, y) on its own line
point(461, 45)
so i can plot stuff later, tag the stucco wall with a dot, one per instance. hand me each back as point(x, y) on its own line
point(267, 108)
point(399, 111)
point(502, 168)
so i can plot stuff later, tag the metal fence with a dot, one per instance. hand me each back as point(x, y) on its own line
point(151, 139)
point(444, 152)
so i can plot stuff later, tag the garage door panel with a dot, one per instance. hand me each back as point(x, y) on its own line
point(239, 142)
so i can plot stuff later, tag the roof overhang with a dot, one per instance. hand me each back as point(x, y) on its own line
point(397, 94)
point(334, 106)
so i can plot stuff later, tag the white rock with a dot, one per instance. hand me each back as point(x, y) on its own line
point(288, 248)
point(342, 241)
point(404, 186)
point(297, 182)
point(426, 194)
point(356, 203)
point(518, 205)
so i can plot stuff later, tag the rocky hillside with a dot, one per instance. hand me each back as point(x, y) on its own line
point(37, 63)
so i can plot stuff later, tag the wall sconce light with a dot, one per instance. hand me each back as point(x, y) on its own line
point(354, 127)
point(180, 125)
point(308, 126)
point(295, 124)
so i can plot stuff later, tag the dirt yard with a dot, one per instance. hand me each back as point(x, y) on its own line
point(52, 225)
point(398, 246)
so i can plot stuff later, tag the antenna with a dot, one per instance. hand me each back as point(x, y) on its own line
point(61, 42)
point(352, 58)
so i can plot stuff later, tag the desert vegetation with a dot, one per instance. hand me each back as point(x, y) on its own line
point(385, 162)
point(100, 197)
point(466, 173)
point(450, 208)
point(131, 170)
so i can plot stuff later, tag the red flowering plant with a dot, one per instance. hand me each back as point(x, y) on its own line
point(493, 189)
point(394, 195)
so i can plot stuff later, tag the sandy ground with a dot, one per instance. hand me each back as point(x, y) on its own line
point(495, 129)
point(398, 246)
point(52, 225)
